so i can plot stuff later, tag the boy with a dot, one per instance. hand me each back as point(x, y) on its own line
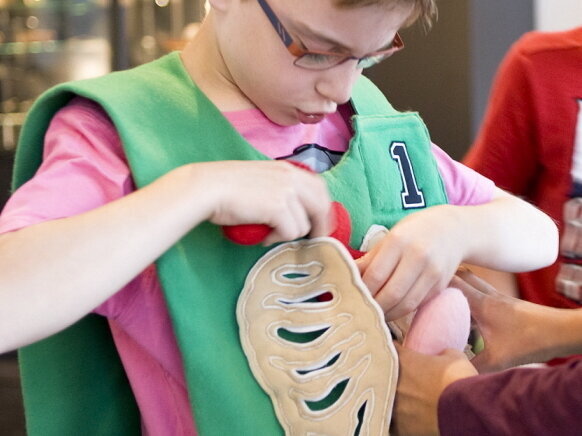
point(282, 73)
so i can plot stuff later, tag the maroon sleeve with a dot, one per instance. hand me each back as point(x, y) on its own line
point(520, 401)
point(505, 147)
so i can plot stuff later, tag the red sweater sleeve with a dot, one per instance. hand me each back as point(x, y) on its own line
point(521, 401)
point(505, 149)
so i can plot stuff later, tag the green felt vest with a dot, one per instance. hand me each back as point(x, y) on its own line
point(73, 383)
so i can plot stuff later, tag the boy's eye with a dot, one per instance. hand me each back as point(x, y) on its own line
point(318, 61)
point(317, 58)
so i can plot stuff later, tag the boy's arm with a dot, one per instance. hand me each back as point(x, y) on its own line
point(508, 234)
point(53, 273)
point(422, 252)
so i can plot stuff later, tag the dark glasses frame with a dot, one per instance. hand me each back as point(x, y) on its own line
point(321, 60)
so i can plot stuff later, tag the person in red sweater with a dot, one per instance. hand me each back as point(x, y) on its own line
point(444, 394)
point(531, 145)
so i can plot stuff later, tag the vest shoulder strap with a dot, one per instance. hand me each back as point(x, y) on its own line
point(367, 99)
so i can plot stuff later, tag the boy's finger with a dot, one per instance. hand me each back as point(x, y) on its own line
point(317, 204)
point(322, 224)
point(363, 262)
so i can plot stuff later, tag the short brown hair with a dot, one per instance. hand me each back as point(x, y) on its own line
point(425, 11)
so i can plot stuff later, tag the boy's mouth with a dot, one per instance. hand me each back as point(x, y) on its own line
point(305, 118)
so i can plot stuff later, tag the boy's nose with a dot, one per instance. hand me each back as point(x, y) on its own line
point(336, 83)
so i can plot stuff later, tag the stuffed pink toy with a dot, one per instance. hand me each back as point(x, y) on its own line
point(443, 321)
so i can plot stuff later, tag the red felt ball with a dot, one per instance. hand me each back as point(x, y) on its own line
point(247, 234)
point(343, 227)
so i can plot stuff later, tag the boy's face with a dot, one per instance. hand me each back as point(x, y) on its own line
point(261, 68)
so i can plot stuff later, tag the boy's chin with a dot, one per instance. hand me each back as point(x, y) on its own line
point(284, 120)
point(309, 118)
point(298, 117)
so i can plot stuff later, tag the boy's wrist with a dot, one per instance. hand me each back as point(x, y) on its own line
point(193, 192)
point(466, 229)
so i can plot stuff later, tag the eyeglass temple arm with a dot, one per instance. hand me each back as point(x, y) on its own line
point(283, 34)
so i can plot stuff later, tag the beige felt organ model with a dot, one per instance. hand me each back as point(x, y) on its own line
point(317, 342)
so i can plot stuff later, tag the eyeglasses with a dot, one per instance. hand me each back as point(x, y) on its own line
point(322, 60)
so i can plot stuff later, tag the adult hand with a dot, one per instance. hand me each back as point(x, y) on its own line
point(515, 331)
point(421, 381)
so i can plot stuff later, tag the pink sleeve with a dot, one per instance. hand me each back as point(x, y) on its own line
point(464, 186)
point(83, 168)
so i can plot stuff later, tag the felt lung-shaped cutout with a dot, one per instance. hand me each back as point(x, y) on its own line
point(316, 341)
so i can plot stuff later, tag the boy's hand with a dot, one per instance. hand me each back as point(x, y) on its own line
point(291, 201)
point(418, 256)
point(421, 381)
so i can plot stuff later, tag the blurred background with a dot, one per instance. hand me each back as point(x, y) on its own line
point(445, 74)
